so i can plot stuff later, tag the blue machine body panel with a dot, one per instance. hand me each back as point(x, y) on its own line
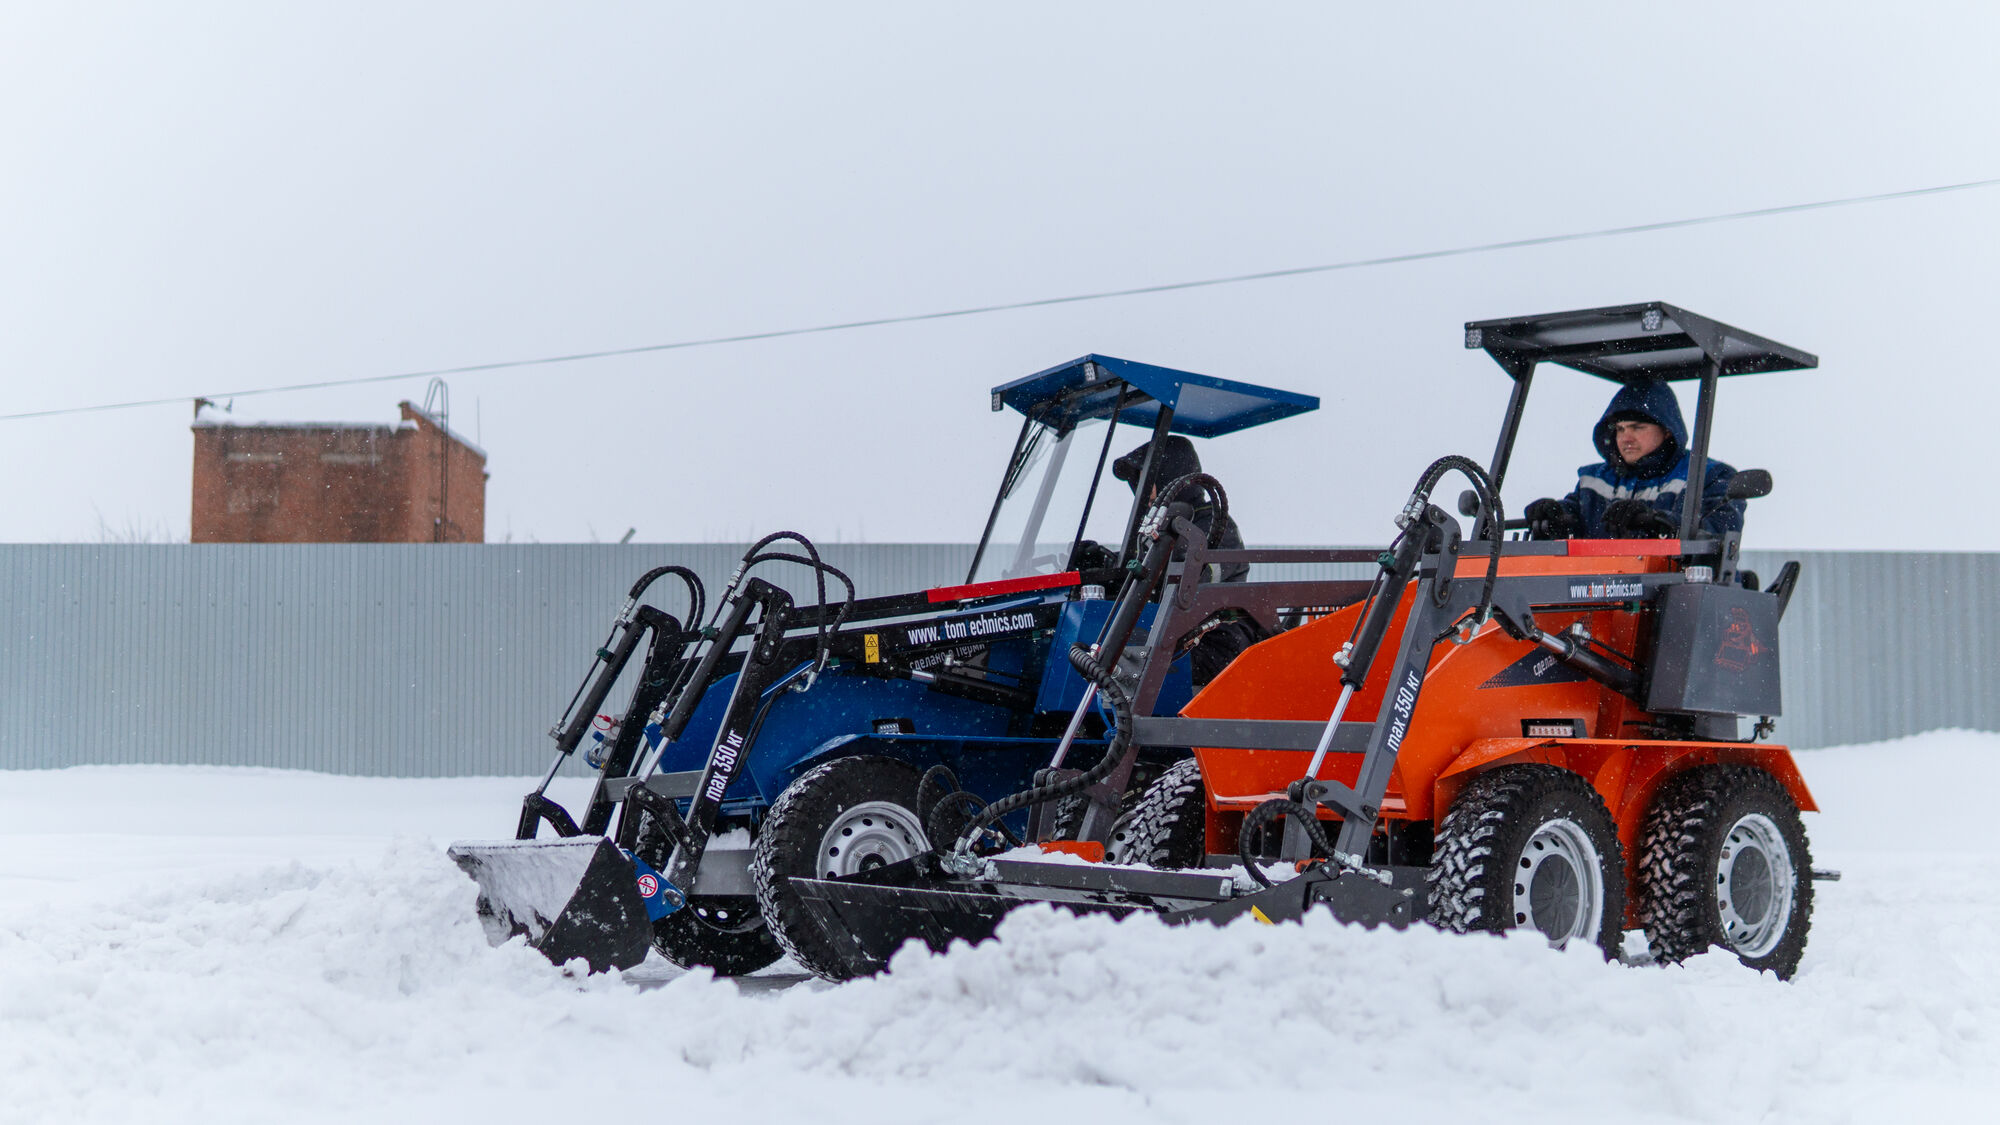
point(987, 745)
point(1080, 623)
point(1203, 405)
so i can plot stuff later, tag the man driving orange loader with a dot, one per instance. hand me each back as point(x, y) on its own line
point(1637, 491)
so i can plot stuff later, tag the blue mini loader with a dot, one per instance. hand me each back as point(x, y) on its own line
point(775, 741)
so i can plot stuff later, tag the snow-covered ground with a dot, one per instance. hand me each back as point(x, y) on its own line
point(219, 945)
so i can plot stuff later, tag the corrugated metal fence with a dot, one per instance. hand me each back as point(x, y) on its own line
point(1880, 644)
point(384, 659)
point(452, 660)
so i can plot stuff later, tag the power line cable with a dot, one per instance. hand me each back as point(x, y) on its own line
point(1044, 302)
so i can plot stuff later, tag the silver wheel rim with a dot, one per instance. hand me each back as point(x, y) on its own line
point(869, 835)
point(1754, 885)
point(1559, 883)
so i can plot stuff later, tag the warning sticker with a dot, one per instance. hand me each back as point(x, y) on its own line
point(1739, 644)
point(1539, 666)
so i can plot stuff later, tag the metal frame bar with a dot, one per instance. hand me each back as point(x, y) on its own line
point(1161, 428)
point(1097, 474)
point(1503, 450)
point(1704, 418)
point(761, 666)
point(1438, 602)
point(1038, 511)
point(999, 496)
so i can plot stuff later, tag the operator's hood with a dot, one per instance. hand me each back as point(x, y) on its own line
point(1653, 400)
point(1177, 459)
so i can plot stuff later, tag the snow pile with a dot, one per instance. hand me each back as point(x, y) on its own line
point(66, 831)
point(336, 990)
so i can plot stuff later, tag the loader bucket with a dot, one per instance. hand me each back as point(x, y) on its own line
point(871, 915)
point(572, 897)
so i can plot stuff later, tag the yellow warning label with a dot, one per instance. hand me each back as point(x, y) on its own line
point(871, 648)
point(1259, 914)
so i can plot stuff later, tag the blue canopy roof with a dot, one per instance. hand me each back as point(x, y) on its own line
point(1203, 405)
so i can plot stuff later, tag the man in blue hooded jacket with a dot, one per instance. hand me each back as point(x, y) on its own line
point(1638, 490)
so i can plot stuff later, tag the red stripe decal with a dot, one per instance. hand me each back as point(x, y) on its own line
point(1004, 586)
point(1600, 548)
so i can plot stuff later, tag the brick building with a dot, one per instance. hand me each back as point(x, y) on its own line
point(334, 482)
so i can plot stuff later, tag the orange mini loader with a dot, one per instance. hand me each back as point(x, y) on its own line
point(1491, 733)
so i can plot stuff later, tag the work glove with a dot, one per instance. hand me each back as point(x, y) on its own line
point(1550, 519)
point(1636, 519)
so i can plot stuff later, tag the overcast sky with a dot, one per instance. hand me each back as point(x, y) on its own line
point(204, 198)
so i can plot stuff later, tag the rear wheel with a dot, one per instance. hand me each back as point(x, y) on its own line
point(1530, 847)
point(848, 816)
point(1724, 861)
point(1168, 828)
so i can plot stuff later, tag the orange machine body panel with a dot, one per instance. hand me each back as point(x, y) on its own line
point(1471, 711)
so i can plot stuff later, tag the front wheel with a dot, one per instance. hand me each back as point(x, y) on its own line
point(1723, 861)
point(1530, 847)
point(848, 816)
point(724, 933)
point(1168, 827)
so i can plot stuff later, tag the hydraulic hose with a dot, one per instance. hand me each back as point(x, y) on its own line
point(962, 805)
point(605, 652)
point(1489, 497)
point(823, 631)
point(697, 601)
point(1253, 827)
point(1384, 596)
point(1097, 667)
point(675, 705)
point(937, 794)
point(937, 783)
point(1209, 485)
point(1121, 737)
point(1398, 565)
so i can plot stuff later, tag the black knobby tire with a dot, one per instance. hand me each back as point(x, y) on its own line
point(1530, 845)
point(1723, 861)
point(1070, 810)
point(725, 934)
point(866, 798)
point(1066, 821)
point(1168, 828)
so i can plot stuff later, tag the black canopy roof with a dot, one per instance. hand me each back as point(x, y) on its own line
point(1629, 342)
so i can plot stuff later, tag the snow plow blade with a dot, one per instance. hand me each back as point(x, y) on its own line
point(572, 897)
point(871, 915)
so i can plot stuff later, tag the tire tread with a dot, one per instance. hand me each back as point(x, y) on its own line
point(1467, 862)
point(1168, 827)
point(792, 827)
point(1680, 845)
